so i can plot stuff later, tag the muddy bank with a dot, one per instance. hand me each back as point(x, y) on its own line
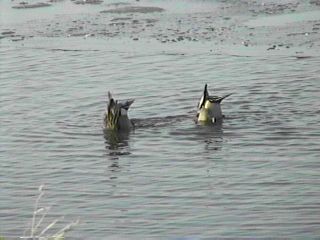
point(248, 24)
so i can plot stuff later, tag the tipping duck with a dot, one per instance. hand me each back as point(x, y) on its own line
point(209, 108)
point(116, 117)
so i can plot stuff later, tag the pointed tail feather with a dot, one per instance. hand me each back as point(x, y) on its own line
point(127, 104)
point(109, 96)
point(225, 96)
point(204, 97)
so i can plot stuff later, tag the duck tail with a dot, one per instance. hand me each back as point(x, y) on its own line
point(113, 115)
point(205, 91)
point(109, 96)
point(127, 104)
point(225, 96)
point(204, 97)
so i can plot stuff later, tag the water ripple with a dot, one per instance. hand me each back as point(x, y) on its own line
point(256, 174)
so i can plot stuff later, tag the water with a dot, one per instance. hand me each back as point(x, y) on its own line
point(255, 175)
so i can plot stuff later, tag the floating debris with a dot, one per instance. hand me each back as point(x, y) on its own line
point(180, 38)
point(245, 43)
point(272, 48)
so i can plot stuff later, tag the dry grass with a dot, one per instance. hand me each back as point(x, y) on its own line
point(41, 231)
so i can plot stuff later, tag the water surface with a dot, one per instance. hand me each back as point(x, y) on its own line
point(254, 175)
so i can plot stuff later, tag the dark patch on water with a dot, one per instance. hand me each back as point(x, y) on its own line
point(25, 5)
point(134, 9)
point(87, 1)
point(315, 2)
point(71, 50)
point(302, 57)
point(118, 4)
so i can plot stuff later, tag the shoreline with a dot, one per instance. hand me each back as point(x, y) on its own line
point(242, 24)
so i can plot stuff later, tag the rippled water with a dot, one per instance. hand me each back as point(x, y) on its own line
point(255, 175)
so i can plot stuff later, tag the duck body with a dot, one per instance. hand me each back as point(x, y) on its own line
point(211, 112)
point(124, 122)
point(209, 108)
point(116, 117)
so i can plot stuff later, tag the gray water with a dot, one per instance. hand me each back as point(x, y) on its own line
point(254, 175)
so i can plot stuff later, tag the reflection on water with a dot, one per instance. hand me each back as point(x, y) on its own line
point(116, 143)
point(213, 136)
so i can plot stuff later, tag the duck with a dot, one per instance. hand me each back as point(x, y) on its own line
point(209, 107)
point(116, 116)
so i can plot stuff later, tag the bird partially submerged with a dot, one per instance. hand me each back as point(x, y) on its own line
point(116, 117)
point(209, 108)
